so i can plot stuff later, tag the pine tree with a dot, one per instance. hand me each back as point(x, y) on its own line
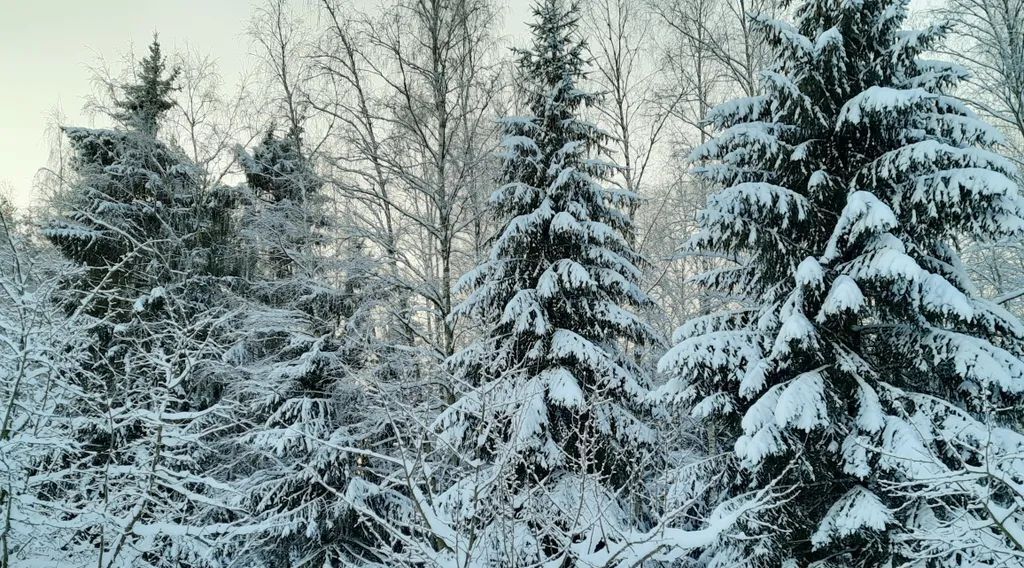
point(551, 417)
point(859, 370)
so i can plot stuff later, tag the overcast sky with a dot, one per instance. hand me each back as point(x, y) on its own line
point(48, 46)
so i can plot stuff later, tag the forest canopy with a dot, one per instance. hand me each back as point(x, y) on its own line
point(663, 283)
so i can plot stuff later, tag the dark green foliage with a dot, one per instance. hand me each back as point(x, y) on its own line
point(858, 365)
point(552, 402)
point(129, 215)
point(146, 100)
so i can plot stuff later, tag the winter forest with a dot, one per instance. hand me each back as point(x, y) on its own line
point(661, 283)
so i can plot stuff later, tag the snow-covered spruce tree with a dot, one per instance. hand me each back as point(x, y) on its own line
point(302, 342)
point(549, 426)
point(125, 216)
point(287, 219)
point(860, 368)
point(130, 220)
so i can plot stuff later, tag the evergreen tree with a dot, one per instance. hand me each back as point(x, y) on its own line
point(288, 214)
point(859, 369)
point(301, 345)
point(129, 209)
point(550, 419)
point(147, 99)
point(132, 220)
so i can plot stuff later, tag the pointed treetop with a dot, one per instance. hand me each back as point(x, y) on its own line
point(550, 16)
point(557, 57)
point(146, 100)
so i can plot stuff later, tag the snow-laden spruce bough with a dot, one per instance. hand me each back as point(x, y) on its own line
point(861, 401)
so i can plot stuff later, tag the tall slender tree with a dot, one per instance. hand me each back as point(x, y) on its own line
point(870, 376)
point(550, 419)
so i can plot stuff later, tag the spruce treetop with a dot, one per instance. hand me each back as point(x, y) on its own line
point(146, 100)
point(556, 61)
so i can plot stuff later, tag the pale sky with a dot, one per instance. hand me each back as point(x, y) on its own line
point(47, 47)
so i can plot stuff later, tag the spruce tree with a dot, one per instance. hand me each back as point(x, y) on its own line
point(129, 205)
point(858, 369)
point(301, 345)
point(136, 489)
point(551, 414)
point(288, 216)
